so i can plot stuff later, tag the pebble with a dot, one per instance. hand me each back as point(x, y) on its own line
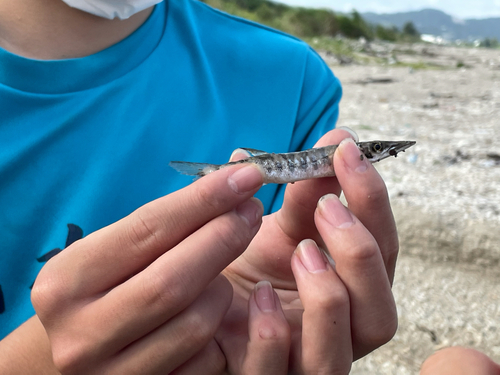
point(445, 193)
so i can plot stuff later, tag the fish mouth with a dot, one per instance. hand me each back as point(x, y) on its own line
point(400, 147)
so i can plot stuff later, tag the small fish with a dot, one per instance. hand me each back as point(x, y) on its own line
point(296, 166)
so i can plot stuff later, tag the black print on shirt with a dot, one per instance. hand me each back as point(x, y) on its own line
point(2, 301)
point(75, 233)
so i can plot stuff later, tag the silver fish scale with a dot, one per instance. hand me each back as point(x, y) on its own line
point(296, 166)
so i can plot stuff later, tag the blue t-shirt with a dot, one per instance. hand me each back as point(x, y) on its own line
point(84, 142)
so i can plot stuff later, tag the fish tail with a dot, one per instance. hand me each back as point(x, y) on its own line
point(194, 169)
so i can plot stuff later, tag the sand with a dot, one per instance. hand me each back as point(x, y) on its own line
point(445, 193)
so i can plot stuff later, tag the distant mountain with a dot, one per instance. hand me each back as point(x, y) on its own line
point(435, 22)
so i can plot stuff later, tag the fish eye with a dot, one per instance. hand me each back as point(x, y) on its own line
point(377, 147)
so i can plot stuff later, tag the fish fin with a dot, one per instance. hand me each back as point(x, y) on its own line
point(193, 169)
point(253, 151)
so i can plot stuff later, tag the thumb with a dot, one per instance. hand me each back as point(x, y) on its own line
point(239, 154)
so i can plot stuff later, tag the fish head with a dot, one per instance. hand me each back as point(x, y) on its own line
point(378, 150)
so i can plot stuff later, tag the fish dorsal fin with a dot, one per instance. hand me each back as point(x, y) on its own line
point(253, 151)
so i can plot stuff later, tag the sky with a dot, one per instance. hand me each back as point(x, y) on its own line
point(461, 9)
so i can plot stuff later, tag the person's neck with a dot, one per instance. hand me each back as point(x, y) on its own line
point(51, 30)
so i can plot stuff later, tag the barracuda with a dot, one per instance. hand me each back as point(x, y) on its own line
point(296, 166)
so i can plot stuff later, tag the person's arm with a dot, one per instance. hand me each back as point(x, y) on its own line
point(143, 295)
point(27, 351)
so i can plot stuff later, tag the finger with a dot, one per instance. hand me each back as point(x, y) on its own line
point(188, 337)
point(326, 333)
point(269, 333)
point(164, 349)
point(360, 266)
point(296, 215)
point(459, 361)
point(172, 282)
point(367, 196)
point(239, 154)
point(111, 255)
point(210, 361)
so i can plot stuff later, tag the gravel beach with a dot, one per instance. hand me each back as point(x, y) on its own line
point(445, 192)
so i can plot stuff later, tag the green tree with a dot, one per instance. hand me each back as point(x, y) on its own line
point(315, 22)
point(489, 43)
point(265, 13)
point(386, 33)
point(249, 4)
point(410, 29)
point(354, 26)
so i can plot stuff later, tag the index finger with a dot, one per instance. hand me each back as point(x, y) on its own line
point(368, 200)
point(360, 266)
point(111, 255)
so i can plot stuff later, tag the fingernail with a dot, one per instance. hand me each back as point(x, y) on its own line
point(334, 212)
point(239, 154)
point(251, 211)
point(352, 156)
point(264, 296)
point(350, 131)
point(245, 179)
point(311, 256)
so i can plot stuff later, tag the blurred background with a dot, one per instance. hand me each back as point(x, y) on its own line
point(429, 72)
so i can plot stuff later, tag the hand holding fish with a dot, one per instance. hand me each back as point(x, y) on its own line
point(319, 317)
point(145, 295)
